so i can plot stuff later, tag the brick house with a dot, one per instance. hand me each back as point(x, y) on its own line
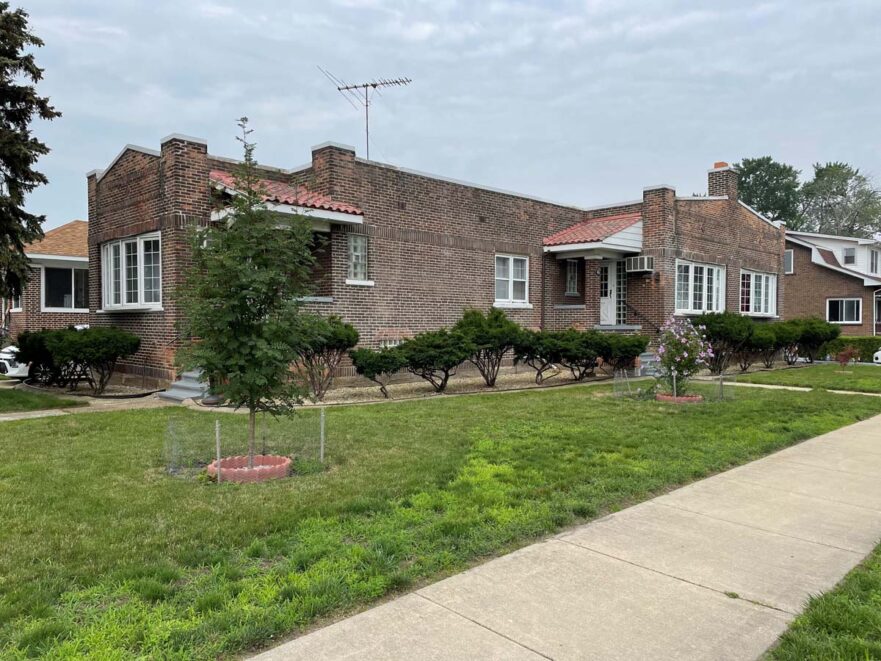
point(57, 293)
point(837, 278)
point(405, 251)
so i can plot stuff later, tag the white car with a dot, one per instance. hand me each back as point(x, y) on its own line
point(9, 366)
point(877, 357)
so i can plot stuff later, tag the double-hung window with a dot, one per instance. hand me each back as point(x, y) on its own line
point(850, 255)
point(844, 310)
point(65, 289)
point(357, 274)
point(758, 293)
point(699, 288)
point(874, 259)
point(131, 271)
point(571, 277)
point(15, 303)
point(512, 280)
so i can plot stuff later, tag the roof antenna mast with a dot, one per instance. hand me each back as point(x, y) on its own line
point(362, 93)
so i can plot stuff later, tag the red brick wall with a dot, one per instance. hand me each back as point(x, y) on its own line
point(810, 286)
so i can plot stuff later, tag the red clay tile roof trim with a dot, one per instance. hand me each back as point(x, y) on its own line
point(593, 230)
point(69, 240)
point(287, 194)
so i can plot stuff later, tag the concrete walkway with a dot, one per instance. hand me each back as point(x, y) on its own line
point(715, 570)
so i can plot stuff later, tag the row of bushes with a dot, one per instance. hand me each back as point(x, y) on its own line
point(861, 348)
point(66, 357)
point(485, 340)
point(735, 338)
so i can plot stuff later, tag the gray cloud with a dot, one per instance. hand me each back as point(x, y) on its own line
point(583, 101)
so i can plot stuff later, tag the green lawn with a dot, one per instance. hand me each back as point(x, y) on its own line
point(861, 378)
point(842, 624)
point(23, 400)
point(103, 554)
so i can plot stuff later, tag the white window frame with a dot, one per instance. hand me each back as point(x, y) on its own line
point(107, 289)
point(844, 256)
point(844, 300)
point(351, 279)
point(13, 306)
point(72, 269)
point(572, 277)
point(510, 301)
point(719, 286)
point(874, 260)
point(790, 253)
point(765, 303)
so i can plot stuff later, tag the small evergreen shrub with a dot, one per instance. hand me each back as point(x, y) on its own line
point(435, 355)
point(815, 333)
point(378, 366)
point(621, 351)
point(493, 335)
point(539, 350)
point(323, 343)
point(728, 333)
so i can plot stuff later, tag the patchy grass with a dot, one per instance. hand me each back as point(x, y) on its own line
point(859, 378)
point(104, 555)
point(842, 624)
point(23, 400)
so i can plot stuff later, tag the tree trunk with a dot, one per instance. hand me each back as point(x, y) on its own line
point(252, 428)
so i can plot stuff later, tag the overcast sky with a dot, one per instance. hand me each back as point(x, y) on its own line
point(584, 102)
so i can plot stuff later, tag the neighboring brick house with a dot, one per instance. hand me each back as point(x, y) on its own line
point(837, 278)
point(57, 293)
point(406, 251)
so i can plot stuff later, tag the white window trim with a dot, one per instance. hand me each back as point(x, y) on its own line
point(570, 263)
point(876, 256)
point(791, 253)
point(360, 283)
point(772, 297)
point(20, 307)
point(106, 276)
point(44, 307)
point(719, 304)
point(844, 300)
point(510, 303)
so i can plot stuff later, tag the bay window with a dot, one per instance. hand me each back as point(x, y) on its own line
point(131, 271)
point(65, 289)
point(844, 310)
point(512, 280)
point(699, 288)
point(758, 293)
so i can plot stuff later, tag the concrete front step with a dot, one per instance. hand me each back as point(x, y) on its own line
point(189, 386)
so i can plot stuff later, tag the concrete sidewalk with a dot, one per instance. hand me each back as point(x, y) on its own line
point(715, 570)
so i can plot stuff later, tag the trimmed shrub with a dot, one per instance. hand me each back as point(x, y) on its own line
point(764, 344)
point(66, 357)
point(815, 332)
point(727, 333)
point(540, 350)
point(435, 355)
point(579, 351)
point(865, 346)
point(378, 366)
point(323, 343)
point(621, 351)
point(787, 334)
point(493, 335)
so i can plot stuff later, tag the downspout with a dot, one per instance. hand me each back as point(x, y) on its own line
point(875, 296)
point(541, 321)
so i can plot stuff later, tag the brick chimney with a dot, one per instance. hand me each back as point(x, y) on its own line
point(722, 180)
point(333, 166)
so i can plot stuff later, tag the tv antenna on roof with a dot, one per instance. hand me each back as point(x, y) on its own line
point(362, 93)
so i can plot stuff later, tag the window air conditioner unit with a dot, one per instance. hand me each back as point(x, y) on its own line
point(642, 263)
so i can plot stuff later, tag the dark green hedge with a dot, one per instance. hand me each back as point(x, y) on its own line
point(866, 346)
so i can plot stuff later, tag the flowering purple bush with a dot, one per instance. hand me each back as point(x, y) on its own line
point(683, 350)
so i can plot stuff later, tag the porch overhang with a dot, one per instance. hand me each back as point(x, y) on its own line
point(599, 238)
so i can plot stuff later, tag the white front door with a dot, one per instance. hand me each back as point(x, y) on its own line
point(607, 295)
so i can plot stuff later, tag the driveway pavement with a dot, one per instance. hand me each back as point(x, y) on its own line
point(714, 570)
